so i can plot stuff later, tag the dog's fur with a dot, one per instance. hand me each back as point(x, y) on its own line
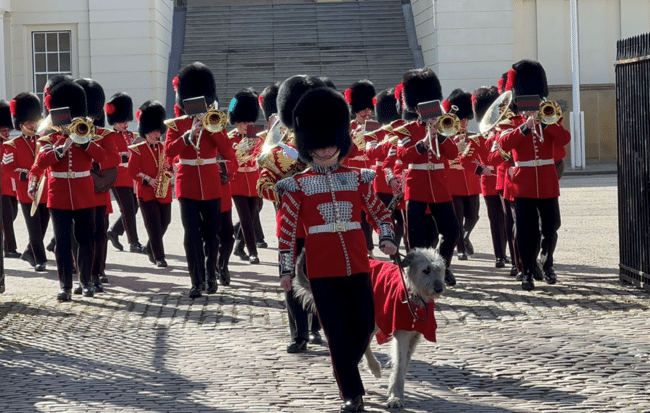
point(425, 278)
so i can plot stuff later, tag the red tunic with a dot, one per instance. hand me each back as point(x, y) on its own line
point(477, 150)
point(244, 181)
point(143, 164)
point(197, 169)
point(534, 174)
point(462, 180)
point(122, 142)
point(8, 184)
point(429, 182)
point(19, 158)
point(106, 139)
point(328, 202)
point(70, 186)
point(391, 309)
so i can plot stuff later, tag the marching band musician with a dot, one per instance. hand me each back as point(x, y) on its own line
point(149, 168)
point(9, 200)
point(119, 112)
point(226, 232)
point(281, 162)
point(200, 200)
point(425, 183)
point(327, 200)
point(21, 154)
point(464, 184)
point(104, 174)
point(534, 179)
point(243, 113)
point(360, 96)
point(70, 195)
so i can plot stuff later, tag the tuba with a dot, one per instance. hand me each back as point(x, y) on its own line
point(550, 112)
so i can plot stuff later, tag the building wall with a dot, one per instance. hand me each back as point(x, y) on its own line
point(122, 44)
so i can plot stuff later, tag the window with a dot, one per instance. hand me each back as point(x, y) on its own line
point(52, 56)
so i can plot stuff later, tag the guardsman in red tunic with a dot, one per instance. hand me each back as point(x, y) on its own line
point(464, 184)
point(149, 168)
point(281, 162)
point(535, 185)
point(9, 200)
point(21, 154)
point(326, 201)
point(425, 182)
point(243, 113)
point(196, 150)
point(119, 112)
point(70, 195)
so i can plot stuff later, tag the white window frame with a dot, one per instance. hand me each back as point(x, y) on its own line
point(34, 53)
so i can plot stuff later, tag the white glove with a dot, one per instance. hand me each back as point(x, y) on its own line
point(289, 151)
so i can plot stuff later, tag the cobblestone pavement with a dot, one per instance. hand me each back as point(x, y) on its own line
point(581, 345)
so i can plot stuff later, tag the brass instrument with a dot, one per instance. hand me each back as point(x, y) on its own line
point(448, 124)
point(214, 120)
point(81, 130)
point(40, 185)
point(164, 177)
point(550, 112)
point(498, 110)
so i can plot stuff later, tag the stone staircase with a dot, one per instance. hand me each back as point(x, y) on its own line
point(256, 45)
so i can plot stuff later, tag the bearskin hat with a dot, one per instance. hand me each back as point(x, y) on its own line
point(119, 108)
point(68, 93)
point(95, 99)
point(290, 92)
point(195, 80)
point(501, 84)
point(52, 83)
point(527, 77)
point(327, 81)
point(244, 107)
point(420, 85)
point(151, 118)
point(409, 116)
point(360, 96)
point(27, 108)
point(268, 100)
point(463, 101)
point(482, 98)
point(386, 107)
point(322, 119)
point(5, 115)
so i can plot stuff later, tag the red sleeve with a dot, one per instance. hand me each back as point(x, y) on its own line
point(112, 158)
point(226, 151)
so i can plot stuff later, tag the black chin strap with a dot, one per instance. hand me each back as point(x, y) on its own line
point(398, 260)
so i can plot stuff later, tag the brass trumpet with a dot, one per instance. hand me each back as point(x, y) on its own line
point(214, 120)
point(448, 124)
point(550, 112)
point(81, 130)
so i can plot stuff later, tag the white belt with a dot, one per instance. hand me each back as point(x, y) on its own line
point(247, 169)
point(427, 166)
point(70, 175)
point(456, 166)
point(335, 227)
point(535, 162)
point(197, 161)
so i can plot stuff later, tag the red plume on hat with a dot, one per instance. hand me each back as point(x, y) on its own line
point(178, 112)
point(510, 82)
point(138, 113)
point(175, 83)
point(109, 108)
point(500, 86)
point(12, 107)
point(348, 95)
point(446, 106)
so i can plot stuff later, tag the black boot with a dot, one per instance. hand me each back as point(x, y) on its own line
point(51, 245)
point(353, 405)
point(96, 284)
point(527, 283)
point(224, 276)
point(549, 276)
point(64, 295)
point(450, 280)
point(2, 283)
point(87, 290)
point(114, 239)
point(211, 285)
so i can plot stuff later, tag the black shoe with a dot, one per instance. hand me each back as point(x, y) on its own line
point(241, 254)
point(97, 286)
point(462, 256)
point(500, 263)
point(40, 267)
point(161, 263)
point(211, 286)
point(147, 250)
point(519, 276)
point(77, 289)
point(352, 405)
point(315, 338)
point(12, 254)
point(114, 239)
point(514, 271)
point(2, 283)
point(297, 345)
point(261, 244)
point(27, 256)
point(253, 259)
point(224, 276)
point(549, 276)
point(538, 274)
point(506, 259)
point(87, 290)
point(527, 283)
point(450, 280)
point(195, 291)
point(136, 247)
point(64, 295)
point(469, 248)
point(51, 245)
point(103, 278)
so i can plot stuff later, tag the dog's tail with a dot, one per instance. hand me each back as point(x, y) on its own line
point(300, 284)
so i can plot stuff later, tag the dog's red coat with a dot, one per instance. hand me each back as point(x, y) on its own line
point(391, 310)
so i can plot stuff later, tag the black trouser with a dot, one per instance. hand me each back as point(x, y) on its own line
point(529, 213)
point(36, 228)
point(445, 219)
point(68, 224)
point(247, 210)
point(128, 204)
point(157, 217)
point(201, 221)
point(347, 315)
point(398, 219)
point(511, 232)
point(226, 239)
point(466, 208)
point(496, 216)
point(100, 240)
point(301, 322)
point(9, 214)
point(366, 227)
point(257, 227)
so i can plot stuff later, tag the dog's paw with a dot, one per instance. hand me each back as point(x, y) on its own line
point(394, 402)
point(375, 368)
